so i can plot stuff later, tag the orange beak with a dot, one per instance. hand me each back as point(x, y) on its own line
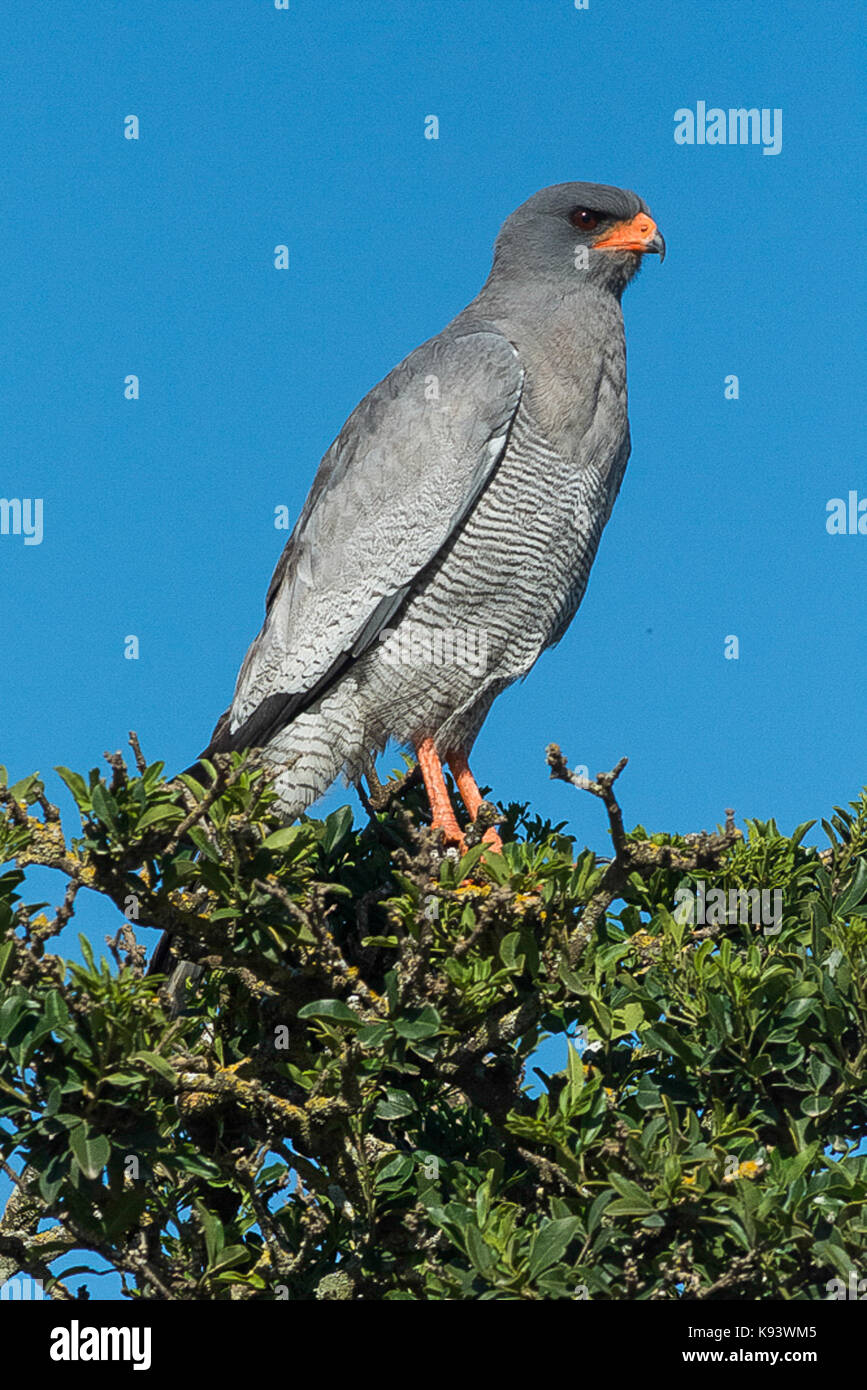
point(640, 234)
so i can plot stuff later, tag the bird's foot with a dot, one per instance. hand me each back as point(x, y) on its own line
point(453, 836)
point(485, 814)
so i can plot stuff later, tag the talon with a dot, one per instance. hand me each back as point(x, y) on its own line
point(443, 816)
point(441, 807)
point(453, 836)
point(472, 798)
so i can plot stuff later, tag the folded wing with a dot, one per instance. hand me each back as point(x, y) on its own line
point(394, 487)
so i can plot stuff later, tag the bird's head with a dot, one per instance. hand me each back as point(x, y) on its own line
point(574, 229)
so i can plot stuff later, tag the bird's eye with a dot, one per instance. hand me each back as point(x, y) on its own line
point(584, 219)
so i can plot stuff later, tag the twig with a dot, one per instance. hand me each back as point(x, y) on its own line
point(601, 787)
point(140, 760)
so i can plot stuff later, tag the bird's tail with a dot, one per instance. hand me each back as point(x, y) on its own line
point(305, 756)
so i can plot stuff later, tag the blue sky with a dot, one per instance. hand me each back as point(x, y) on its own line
point(306, 127)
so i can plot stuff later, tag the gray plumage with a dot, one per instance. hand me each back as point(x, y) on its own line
point(460, 506)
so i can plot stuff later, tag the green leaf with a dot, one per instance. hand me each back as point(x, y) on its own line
point(418, 1023)
point(633, 1199)
point(154, 814)
point(470, 860)
point(627, 1019)
point(798, 1009)
point(335, 828)
point(10, 1011)
point(52, 1102)
point(55, 1014)
point(373, 1034)
point(53, 1176)
point(596, 1210)
point(91, 1152)
point(800, 831)
point(574, 1073)
point(204, 845)
point(5, 952)
point(124, 1212)
point(104, 807)
point(157, 1064)
point(289, 837)
point(814, 1106)
point(198, 1164)
point(550, 1241)
point(480, 1253)
point(509, 950)
point(22, 791)
point(668, 1039)
point(855, 892)
point(396, 1105)
point(77, 785)
point(496, 868)
point(215, 1236)
point(395, 1173)
point(229, 1257)
point(333, 1009)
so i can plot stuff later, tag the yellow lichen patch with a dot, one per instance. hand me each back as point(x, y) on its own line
point(318, 1103)
point(181, 897)
point(642, 939)
point(526, 899)
point(197, 1102)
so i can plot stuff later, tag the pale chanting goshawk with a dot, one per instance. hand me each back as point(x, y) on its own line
point(450, 529)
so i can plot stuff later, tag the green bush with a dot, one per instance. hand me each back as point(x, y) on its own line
point(348, 1105)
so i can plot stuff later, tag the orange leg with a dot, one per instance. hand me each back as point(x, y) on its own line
point(435, 786)
point(472, 797)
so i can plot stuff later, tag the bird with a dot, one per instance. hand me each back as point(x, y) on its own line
point(449, 532)
point(450, 529)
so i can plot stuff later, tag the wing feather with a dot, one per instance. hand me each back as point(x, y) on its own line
point(399, 480)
